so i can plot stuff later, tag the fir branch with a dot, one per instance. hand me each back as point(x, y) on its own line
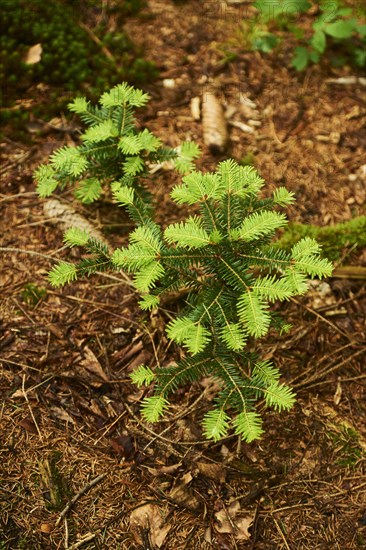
point(188, 234)
point(257, 225)
point(248, 425)
point(252, 311)
point(88, 190)
point(142, 376)
point(216, 424)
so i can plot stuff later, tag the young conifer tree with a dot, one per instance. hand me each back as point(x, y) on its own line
point(112, 148)
point(224, 259)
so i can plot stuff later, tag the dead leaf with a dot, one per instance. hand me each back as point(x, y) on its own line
point(164, 470)
point(228, 522)
point(91, 364)
point(183, 495)
point(61, 414)
point(18, 393)
point(242, 527)
point(123, 445)
point(208, 535)
point(33, 55)
point(149, 517)
point(212, 471)
point(28, 424)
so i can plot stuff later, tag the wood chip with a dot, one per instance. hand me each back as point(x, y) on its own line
point(195, 108)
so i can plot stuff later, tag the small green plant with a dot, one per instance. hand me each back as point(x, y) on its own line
point(224, 259)
point(335, 28)
point(112, 149)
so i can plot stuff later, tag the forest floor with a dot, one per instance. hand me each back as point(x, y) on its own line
point(69, 415)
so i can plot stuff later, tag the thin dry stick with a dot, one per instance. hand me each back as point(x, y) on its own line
point(151, 432)
point(326, 357)
point(86, 538)
point(281, 533)
point(30, 408)
point(130, 321)
point(340, 380)
point(32, 388)
point(293, 506)
point(30, 252)
point(110, 427)
point(97, 40)
point(86, 301)
point(154, 347)
point(82, 492)
point(182, 414)
point(345, 491)
point(66, 534)
point(22, 309)
point(12, 197)
point(125, 280)
point(330, 368)
point(341, 303)
point(21, 365)
point(171, 442)
point(326, 371)
point(334, 327)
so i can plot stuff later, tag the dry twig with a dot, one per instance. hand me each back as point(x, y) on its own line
point(30, 409)
point(82, 492)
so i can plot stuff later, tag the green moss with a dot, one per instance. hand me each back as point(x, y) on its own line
point(248, 159)
point(334, 239)
point(347, 447)
point(33, 294)
point(71, 59)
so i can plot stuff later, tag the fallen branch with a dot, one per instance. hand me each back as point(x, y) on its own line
point(349, 272)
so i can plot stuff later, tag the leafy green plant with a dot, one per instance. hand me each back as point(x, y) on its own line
point(224, 260)
point(112, 149)
point(335, 27)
